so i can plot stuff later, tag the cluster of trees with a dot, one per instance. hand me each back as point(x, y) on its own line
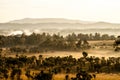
point(11, 67)
point(46, 41)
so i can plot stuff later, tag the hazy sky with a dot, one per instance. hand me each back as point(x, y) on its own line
point(87, 10)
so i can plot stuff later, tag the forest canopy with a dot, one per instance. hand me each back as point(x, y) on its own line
point(45, 41)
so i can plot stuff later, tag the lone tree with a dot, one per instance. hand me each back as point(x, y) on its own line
point(85, 54)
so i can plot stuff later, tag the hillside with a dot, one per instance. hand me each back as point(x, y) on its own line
point(47, 20)
point(55, 25)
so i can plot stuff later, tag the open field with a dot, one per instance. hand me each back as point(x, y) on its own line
point(98, 48)
point(101, 76)
point(91, 52)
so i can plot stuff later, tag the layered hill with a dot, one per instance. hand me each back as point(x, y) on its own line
point(55, 25)
point(47, 20)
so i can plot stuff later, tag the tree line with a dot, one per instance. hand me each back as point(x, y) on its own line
point(45, 41)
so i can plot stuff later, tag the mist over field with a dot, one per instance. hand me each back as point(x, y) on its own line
point(59, 39)
point(57, 25)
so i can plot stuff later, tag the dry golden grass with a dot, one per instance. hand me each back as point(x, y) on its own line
point(101, 76)
point(108, 76)
point(92, 52)
point(61, 76)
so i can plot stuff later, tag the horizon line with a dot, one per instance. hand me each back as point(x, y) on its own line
point(62, 18)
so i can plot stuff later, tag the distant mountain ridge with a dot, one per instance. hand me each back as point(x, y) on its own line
point(57, 25)
point(48, 20)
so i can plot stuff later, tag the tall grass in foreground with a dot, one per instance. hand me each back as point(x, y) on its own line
point(101, 76)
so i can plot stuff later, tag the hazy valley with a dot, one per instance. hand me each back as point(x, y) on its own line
point(57, 25)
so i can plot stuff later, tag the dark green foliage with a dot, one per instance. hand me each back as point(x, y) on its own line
point(117, 43)
point(15, 71)
point(43, 76)
point(35, 43)
point(18, 49)
point(83, 75)
point(85, 54)
point(56, 65)
point(0, 50)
